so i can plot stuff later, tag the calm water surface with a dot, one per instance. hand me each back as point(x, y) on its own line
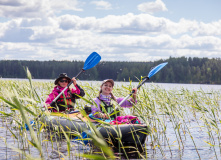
point(188, 151)
point(205, 87)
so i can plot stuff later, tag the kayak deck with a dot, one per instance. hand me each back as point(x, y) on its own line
point(77, 123)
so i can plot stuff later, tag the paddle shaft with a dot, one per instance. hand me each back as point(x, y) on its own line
point(147, 78)
point(151, 73)
point(65, 88)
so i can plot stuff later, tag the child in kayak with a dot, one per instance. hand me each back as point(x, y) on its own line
point(106, 97)
point(64, 103)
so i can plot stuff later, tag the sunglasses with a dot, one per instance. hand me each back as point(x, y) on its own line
point(66, 81)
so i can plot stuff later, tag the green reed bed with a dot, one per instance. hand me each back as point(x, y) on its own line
point(182, 110)
point(179, 119)
point(20, 102)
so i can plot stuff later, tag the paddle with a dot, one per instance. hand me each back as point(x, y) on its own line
point(92, 60)
point(151, 73)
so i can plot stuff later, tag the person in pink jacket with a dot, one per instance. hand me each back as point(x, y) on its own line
point(64, 103)
point(106, 97)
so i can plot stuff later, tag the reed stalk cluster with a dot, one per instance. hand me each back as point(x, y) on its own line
point(182, 123)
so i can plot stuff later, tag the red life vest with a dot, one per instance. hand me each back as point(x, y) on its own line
point(64, 103)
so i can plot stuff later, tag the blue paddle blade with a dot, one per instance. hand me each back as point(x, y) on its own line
point(156, 69)
point(92, 60)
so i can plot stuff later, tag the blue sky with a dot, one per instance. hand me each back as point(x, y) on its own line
point(125, 30)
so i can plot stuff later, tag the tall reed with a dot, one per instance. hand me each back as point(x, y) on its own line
point(179, 119)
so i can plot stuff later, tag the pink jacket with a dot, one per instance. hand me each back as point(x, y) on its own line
point(59, 89)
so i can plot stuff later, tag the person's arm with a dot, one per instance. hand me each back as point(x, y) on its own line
point(96, 111)
point(79, 91)
point(50, 98)
point(127, 103)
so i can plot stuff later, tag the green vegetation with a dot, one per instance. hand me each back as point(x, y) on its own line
point(178, 70)
point(179, 120)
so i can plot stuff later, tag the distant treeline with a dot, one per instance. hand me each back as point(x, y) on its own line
point(178, 70)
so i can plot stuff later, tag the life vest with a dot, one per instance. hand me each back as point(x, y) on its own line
point(65, 103)
point(108, 109)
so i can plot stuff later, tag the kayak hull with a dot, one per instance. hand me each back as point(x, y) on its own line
point(128, 134)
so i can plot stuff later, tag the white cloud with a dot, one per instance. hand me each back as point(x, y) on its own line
point(24, 8)
point(152, 7)
point(208, 29)
point(104, 5)
point(36, 8)
point(11, 3)
point(139, 24)
point(3, 29)
point(16, 50)
point(58, 5)
point(127, 37)
point(45, 33)
point(125, 24)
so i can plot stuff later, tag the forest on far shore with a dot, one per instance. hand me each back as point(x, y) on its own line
point(178, 70)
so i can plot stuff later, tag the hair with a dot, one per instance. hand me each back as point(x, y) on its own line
point(112, 96)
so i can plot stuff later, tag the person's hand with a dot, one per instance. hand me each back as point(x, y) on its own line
point(104, 116)
point(134, 95)
point(135, 91)
point(74, 81)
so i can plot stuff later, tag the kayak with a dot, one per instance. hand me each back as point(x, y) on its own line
point(129, 134)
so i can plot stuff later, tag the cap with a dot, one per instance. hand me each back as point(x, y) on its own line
point(108, 80)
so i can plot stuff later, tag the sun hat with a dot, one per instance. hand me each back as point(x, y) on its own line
point(108, 80)
point(62, 75)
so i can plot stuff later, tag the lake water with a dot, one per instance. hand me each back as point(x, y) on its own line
point(167, 86)
point(186, 153)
